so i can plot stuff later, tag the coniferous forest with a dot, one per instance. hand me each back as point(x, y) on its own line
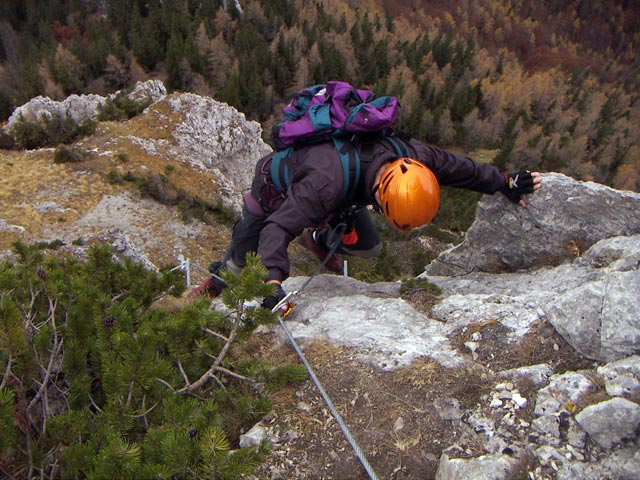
point(548, 85)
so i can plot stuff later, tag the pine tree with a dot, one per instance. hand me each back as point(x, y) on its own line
point(99, 383)
point(145, 39)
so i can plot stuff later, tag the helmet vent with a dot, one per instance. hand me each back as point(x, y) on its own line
point(403, 167)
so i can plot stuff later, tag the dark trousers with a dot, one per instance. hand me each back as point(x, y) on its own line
point(246, 234)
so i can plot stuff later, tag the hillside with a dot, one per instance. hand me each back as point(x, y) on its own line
point(176, 170)
point(512, 355)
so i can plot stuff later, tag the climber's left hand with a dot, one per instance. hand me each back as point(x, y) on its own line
point(272, 300)
point(521, 183)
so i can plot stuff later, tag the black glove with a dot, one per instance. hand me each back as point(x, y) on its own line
point(273, 300)
point(518, 183)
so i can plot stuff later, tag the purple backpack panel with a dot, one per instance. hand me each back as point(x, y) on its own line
point(319, 112)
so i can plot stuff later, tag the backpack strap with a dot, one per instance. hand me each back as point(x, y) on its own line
point(399, 145)
point(280, 169)
point(349, 158)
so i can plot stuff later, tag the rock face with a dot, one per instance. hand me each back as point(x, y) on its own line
point(589, 296)
point(213, 136)
point(81, 107)
point(562, 218)
point(608, 326)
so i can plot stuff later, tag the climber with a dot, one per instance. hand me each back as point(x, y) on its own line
point(404, 190)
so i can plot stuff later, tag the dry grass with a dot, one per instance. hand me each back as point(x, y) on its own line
point(28, 179)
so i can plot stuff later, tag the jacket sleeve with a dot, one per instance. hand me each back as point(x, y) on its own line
point(314, 194)
point(459, 171)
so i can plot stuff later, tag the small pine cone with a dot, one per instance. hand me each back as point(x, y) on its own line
point(109, 321)
point(192, 433)
point(42, 274)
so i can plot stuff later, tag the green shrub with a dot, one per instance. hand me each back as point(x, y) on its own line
point(65, 130)
point(30, 135)
point(457, 209)
point(50, 132)
point(66, 154)
point(102, 384)
point(121, 107)
point(6, 140)
point(114, 178)
point(413, 284)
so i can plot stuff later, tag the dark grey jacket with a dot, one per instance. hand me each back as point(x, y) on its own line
point(316, 189)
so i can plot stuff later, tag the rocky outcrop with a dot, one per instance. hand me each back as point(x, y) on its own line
point(589, 296)
point(214, 136)
point(562, 219)
point(204, 134)
point(81, 107)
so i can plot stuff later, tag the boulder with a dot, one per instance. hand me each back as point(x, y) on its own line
point(486, 467)
point(562, 219)
point(600, 318)
point(622, 378)
point(609, 423)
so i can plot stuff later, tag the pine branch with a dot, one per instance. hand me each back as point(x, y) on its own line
point(218, 361)
point(144, 414)
point(182, 372)
point(234, 375)
point(57, 347)
point(29, 456)
point(224, 389)
point(130, 394)
point(228, 372)
point(215, 334)
point(93, 404)
point(165, 383)
point(7, 371)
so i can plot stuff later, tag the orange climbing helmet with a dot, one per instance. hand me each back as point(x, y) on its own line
point(409, 194)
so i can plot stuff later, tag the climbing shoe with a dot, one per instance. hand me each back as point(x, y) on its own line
point(211, 287)
point(334, 263)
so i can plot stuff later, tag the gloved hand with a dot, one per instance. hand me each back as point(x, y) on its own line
point(273, 300)
point(518, 183)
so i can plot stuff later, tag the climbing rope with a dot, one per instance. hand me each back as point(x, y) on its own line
point(332, 408)
point(338, 232)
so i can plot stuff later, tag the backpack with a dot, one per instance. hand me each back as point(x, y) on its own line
point(335, 111)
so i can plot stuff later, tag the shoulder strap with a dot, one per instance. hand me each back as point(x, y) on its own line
point(399, 145)
point(349, 158)
point(280, 170)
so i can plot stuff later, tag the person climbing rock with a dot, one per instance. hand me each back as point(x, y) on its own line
point(398, 176)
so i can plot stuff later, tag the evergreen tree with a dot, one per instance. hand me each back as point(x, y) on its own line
point(120, 14)
point(442, 49)
point(146, 39)
point(332, 65)
point(281, 10)
point(95, 379)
